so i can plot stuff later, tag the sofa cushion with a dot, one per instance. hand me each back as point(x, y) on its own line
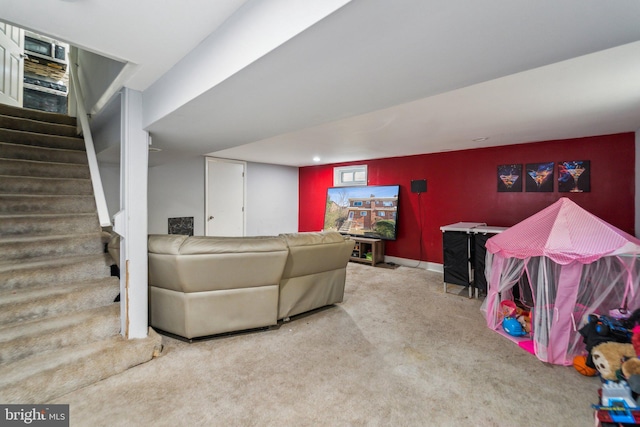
point(217, 263)
point(312, 238)
point(166, 243)
point(200, 314)
point(311, 253)
point(226, 245)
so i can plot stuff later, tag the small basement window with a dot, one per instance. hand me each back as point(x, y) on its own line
point(349, 175)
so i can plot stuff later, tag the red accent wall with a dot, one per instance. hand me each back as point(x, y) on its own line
point(462, 186)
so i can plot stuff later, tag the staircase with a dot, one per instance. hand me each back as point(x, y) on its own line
point(59, 325)
point(346, 226)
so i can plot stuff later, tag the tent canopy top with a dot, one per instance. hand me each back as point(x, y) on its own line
point(565, 233)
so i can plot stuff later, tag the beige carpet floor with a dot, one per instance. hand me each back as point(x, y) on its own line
point(397, 352)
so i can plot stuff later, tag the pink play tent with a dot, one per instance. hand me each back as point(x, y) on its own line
point(569, 263)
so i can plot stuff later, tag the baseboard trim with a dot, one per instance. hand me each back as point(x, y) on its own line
point(406, 262)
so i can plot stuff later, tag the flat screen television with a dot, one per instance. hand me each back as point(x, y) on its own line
point(364, 211)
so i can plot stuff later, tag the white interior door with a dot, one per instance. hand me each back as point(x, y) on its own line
point(11, 67)
point(225, 195)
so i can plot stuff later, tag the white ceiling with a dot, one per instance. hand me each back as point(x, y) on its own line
point(376, 78)
point(151, 34)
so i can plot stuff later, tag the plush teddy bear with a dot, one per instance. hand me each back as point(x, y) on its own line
point(631, 372)
point(524, 317)
point(608, 358)
point(631, 367)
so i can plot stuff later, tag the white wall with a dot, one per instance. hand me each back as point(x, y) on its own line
point(96, 74)
point(177, 190)
point(110, 175)
point(106, 130)
point(272, 199)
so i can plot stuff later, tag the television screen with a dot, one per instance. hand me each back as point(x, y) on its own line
point(365, 211)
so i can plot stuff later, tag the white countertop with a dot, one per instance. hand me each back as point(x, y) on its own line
point(462, 226)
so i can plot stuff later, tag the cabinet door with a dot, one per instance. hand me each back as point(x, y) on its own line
point(479, 280)
point(455, 246)
point(11, 66)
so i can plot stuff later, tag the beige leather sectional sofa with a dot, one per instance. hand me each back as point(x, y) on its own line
point(200, 286)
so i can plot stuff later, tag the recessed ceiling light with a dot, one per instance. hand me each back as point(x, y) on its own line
point(483, 138)
point(316, 159)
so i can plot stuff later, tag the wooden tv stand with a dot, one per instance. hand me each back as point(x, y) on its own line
point(365, 245)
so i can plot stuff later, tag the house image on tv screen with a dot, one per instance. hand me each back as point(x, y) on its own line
point(371, 215)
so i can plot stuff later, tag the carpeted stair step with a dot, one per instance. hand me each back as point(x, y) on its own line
point(43, 169)
point(48, 224)
point(47, 300)
point(41, 140)
point(36, 185)
point(30, 125)
point(21, 275)
point(21, 247)
point(38, 204)
point(43, 116)
point(37, 336)
point(59, 325)
point(41, 154)
point(44, 377)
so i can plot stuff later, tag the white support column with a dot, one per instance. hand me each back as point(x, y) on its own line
point(131, 221)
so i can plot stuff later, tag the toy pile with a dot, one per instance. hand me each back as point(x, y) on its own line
point(516, 321)
point(613, 346)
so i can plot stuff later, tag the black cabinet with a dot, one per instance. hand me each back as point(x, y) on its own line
point(480, 237)
point(457, 247)
point(463, 246)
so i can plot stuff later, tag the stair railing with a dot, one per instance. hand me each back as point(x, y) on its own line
point(96, 181)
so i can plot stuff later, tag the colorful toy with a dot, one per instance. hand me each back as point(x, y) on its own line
point(507, 309)
point(524, 317)
point(631, 367)
point(609, 326)
point(580, 365)
point(603, 329)
point(513, 327)
point(608, 358)
point(635, 339)
point(619, 412)
point(617, 404)
point(613, 392)
point(630, 370)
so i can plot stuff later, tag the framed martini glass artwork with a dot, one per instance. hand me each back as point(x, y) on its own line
point(539, 177)
point(509, 178)
point(574, 176)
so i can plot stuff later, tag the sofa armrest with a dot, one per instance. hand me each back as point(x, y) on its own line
point(113, 247)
